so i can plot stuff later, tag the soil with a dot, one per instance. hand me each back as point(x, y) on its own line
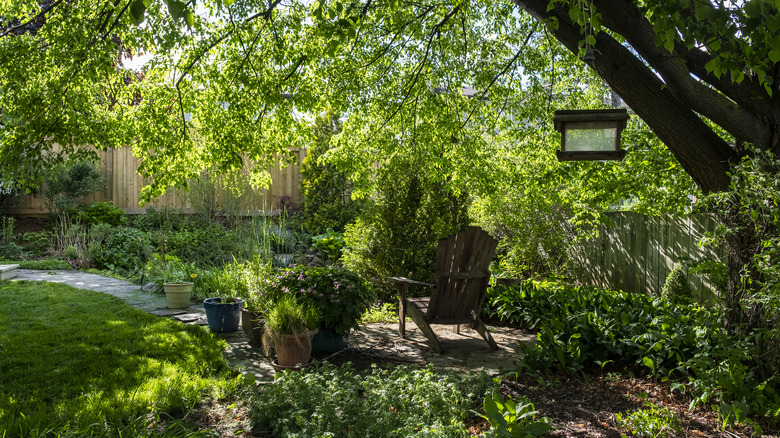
point(30, 224)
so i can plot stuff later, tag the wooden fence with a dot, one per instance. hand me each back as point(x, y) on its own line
point(123, 188)
point(637, 252)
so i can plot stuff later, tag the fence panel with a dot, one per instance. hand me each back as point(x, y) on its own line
point(124, 184)
point(636, 253)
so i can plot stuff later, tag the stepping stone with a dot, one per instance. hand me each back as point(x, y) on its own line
point(192, 318)
point(168, 312)
point(8, 271)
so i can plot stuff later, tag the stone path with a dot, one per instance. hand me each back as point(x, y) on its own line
point(462, 352)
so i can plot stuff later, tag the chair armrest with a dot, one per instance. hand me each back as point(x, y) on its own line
point(404, 280)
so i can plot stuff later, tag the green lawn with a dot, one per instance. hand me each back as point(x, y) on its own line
point(77, 362)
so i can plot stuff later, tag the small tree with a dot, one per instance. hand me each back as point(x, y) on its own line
point(66, 188)
point(397, 235)
point(327, 191)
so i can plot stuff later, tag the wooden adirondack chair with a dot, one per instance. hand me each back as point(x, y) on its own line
point(461, 282)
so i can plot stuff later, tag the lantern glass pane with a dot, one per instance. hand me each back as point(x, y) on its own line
point(590, 136)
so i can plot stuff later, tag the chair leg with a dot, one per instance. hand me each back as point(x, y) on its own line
point(401, 309)
point(483, 331)
point(419, 319)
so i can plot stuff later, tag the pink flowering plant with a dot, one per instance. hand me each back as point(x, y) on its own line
point(340, 295)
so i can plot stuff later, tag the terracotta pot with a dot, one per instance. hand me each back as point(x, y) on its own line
point(292, 350)
point(177, 295)
point(252, 323)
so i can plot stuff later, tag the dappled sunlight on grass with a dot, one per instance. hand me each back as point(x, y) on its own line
point(75, 359)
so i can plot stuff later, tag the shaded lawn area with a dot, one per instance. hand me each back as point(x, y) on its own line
point(75, 361)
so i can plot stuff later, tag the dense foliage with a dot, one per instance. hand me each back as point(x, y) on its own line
point(66, 186)
point(588, 329)
point(754, 302)
point(397, 234)
point(327, 192)
point(340, 296)
point(324, 400)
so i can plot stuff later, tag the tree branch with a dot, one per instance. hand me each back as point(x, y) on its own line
point(704, 155)
point(628, 21)
point(39, 15)
point(501, 73)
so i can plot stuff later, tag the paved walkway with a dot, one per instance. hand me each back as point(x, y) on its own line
point(462, 352)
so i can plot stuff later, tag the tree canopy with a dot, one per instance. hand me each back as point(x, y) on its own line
point(248, 76)
point(465, 87)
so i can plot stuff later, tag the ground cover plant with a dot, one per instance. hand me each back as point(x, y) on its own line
point(588, 329)
point(339, 401)
point(81, 363)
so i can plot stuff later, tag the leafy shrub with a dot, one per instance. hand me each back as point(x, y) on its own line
point(103, 213)
point(651, 422)
point(121, 249)
point(397, 235)
point(536, 238)
point(204, 246)
point(7, 229)
point(38, 243)
point(381, 312)
point(399, 402)
point(67, 186)
point(341, 296)
point(160, 219)
point(676, 289)
point(331, 243)
point(750, 212)
point(509, 418)
point(587, 328)
point(44, 265)
point(11, 251)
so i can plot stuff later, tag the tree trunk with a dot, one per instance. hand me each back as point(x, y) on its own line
point(662, 91)
point(742, 243)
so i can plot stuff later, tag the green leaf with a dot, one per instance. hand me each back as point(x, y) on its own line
point(648, 362)
point(774, 56)
point(737, 76)
point(753, 8)
point(714, 46)
point(702, 12)
point(176, 9)
point(189, 18)
point(537, 429)
point(138, 11)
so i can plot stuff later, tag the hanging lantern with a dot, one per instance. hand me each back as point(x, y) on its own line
point(590, 135)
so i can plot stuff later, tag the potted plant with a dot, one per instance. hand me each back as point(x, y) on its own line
point(252, 317)
point(289, 328)
point(223, 312)
point(340, 296)
point(173, 277)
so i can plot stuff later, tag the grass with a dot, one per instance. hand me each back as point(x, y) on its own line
point(382, 312)
point(44, 265)
point(77, 362)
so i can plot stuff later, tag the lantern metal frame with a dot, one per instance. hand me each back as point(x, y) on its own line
point(603, 119)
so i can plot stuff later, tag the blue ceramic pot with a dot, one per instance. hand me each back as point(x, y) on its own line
point(223, 314)
point(328, 341)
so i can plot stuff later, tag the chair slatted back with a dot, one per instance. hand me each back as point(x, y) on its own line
point(462, 275)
